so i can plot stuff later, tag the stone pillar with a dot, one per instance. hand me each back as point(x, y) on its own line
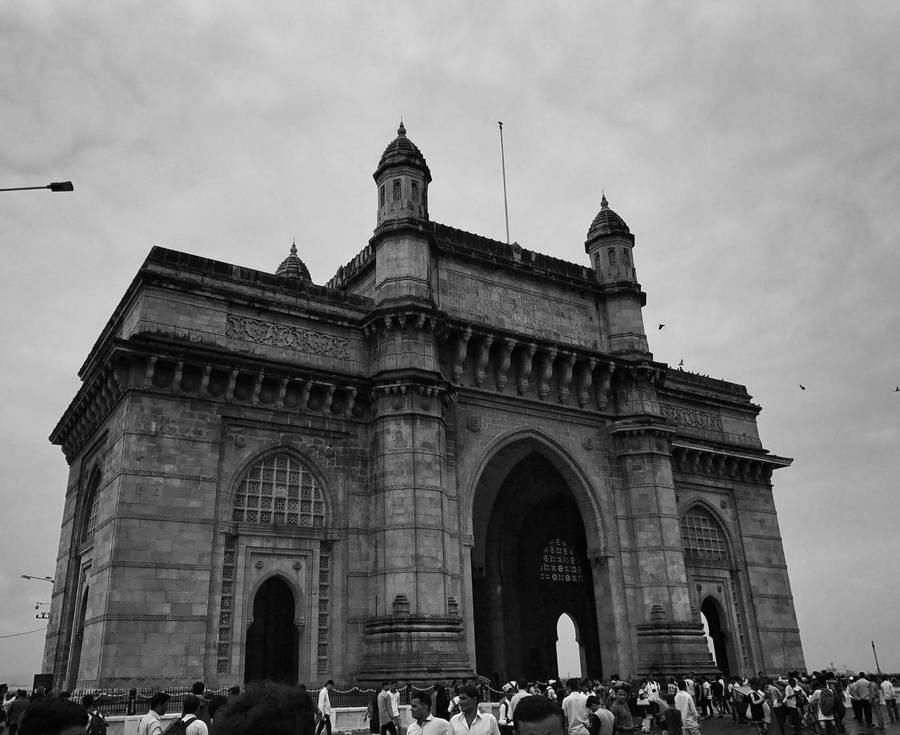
point(414, 631)
point(669, 636)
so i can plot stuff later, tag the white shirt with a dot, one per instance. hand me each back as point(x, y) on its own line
point(887, 690)
point(151, 724)
point(515, 700)
point(684, 703)
point(197, 727)
point(324, 701)
point(483, 724)
point(432, 726)
point(576, 712)
point(395, 703)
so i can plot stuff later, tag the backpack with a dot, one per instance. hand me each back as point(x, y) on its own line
point(826, 702)
point(801, 696)
point(179, 727)
point(96, 725)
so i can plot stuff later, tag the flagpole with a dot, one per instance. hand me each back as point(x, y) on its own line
point(503, 164)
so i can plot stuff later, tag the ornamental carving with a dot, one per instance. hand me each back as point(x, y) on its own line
point(692, 418)
point(287, 337)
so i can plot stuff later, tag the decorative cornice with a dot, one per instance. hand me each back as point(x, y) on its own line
point(726, 463)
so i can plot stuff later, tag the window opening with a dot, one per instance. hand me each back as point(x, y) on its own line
point(558, 563)
point(280, 490)
point(703, 537)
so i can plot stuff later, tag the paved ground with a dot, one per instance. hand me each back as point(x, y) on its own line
point(726, 726)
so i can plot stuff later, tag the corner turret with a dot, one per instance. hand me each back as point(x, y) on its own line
point(402, 178)
point(610, 243)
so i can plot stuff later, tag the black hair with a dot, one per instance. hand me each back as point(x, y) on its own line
point(197, 687)
point(51, 715)
point(330, 681)
point(275, 709)
point(422, 697)
point(536, 708)
point(573, 684)
point(191, 704)
point(158, 699)
point(87, 700)
point(234, 690)
point(470, 691)
point(591, 701)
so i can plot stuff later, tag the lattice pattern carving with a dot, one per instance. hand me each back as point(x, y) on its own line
point(559, 564)
point(280, 490)
point(226, 604)
point(703, 537)
point(324, 618)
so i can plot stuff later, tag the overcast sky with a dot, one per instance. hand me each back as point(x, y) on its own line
point(751, 147)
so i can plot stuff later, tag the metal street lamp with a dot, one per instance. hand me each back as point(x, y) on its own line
point(43, 579)
point(55, 186)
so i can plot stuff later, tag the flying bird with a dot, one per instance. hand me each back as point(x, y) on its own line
point(660, 327)
point(802, 387)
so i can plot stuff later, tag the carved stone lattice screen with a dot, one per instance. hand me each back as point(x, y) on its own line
point(558, 563)
point(279, 490)
point(703, 537)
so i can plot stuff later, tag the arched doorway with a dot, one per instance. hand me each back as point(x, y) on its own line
point(569, 652)
point(272, 638)
point(533, 567)
point(709, 610)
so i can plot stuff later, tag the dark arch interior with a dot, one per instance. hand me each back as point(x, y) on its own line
point(710, 610)
point(272, 638)
point(535, 568)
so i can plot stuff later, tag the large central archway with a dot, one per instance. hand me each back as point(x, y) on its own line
point(529, 567)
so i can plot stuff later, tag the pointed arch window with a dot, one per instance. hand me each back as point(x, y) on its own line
point(280, 490)
point(703, 537)
point(559, 563)
point(396, 190)
point(93, 507)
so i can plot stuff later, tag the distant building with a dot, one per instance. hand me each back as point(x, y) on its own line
point(413, 471)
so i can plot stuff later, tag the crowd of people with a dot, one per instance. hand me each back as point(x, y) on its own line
point(821, 702)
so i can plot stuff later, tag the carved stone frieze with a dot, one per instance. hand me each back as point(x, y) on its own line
point(692, 418)
point(286, 337)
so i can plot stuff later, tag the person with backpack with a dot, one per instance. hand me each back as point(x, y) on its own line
point(151, 723)
point(188, 723)
point(824, 702)
point(96, 722)
point(757, 707)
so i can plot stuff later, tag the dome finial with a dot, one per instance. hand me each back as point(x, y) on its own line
point(603, 203)
point(294, 247)
point(402, 129)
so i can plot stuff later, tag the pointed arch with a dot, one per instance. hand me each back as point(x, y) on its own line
point(502, 455)
point(91, 507)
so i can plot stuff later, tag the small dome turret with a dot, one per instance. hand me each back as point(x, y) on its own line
point(402, 178)
point(402, 152)
point(607, 222)
point(293, 267)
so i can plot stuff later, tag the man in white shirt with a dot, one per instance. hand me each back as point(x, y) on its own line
point(151, 723)
point(325, 708)
point(521, 691)
point(890, 698)
point(471, 721)
point(395, 703)
point(684, 703)
point(574, 707)
point(190, 716)
point(424, 723)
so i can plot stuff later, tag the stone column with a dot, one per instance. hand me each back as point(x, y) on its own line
point(669, 636)
point(414, 632)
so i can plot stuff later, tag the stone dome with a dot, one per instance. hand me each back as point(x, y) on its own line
point(293, 267)
point(402, 152)
point(607, 222)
